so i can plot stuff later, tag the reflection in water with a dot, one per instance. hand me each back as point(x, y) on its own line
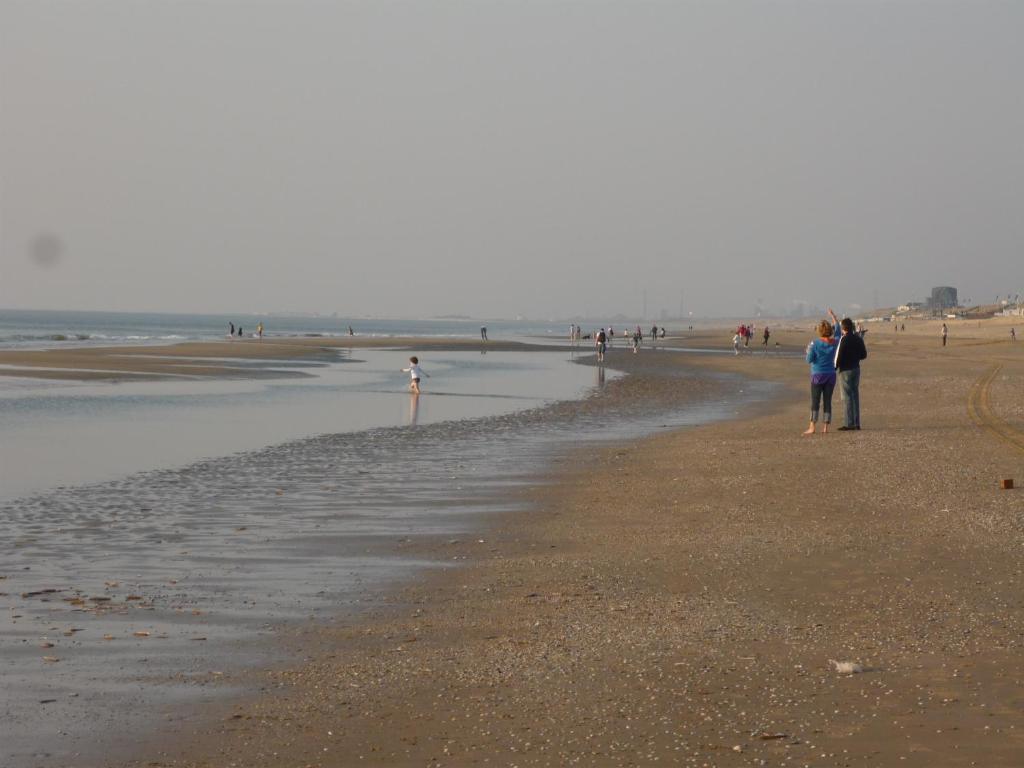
point(414, 409)
point(600, 376)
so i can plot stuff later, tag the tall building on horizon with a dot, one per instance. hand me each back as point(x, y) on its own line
point(943, 297)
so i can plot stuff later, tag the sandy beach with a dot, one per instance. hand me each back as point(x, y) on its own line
point(309, 457)
point(681, 599)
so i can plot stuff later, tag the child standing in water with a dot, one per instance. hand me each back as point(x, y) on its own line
point(415, 374)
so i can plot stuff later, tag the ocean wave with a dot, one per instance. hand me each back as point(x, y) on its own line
point(24, 337)
point(37, 339)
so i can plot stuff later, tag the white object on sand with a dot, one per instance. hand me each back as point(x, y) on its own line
point(846, 667)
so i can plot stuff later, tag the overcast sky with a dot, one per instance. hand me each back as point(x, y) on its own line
point(502, 158)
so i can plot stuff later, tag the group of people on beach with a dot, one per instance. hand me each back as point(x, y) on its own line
point(835, 353)
point(636, 337)
point(603, 339)
point(232, 333)
point(745, 333)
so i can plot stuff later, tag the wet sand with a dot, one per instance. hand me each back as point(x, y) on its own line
point(679, 598)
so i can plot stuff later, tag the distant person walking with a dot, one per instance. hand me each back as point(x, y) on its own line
point(601, 343)
point(654, 332)
point(415, 374)
point(259, 330)
point(849, 352)
point(231, 329)
point(350, 331)
point(765, 336)
point(1013, 335)
point(821, 355)
point(945, 333)
point(736, 343)
point(239, 331)
point(483, 332)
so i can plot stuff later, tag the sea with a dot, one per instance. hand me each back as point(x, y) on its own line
point(157, 537)
point(43, 328)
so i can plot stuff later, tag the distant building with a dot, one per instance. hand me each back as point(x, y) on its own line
point(943, 297)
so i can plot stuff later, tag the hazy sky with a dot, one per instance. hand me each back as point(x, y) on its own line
point(503, 158)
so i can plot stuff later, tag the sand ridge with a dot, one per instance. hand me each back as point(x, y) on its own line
point(216, 359)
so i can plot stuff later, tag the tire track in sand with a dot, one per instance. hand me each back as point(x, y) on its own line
point(979, 407)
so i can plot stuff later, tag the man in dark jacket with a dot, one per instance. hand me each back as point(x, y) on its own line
point(849, 352)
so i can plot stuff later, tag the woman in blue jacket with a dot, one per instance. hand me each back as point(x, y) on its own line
point(821, 354)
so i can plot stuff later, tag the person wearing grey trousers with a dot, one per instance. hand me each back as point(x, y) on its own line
point(849, 352)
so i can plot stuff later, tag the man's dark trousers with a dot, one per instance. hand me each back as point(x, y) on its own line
point(849, 382)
